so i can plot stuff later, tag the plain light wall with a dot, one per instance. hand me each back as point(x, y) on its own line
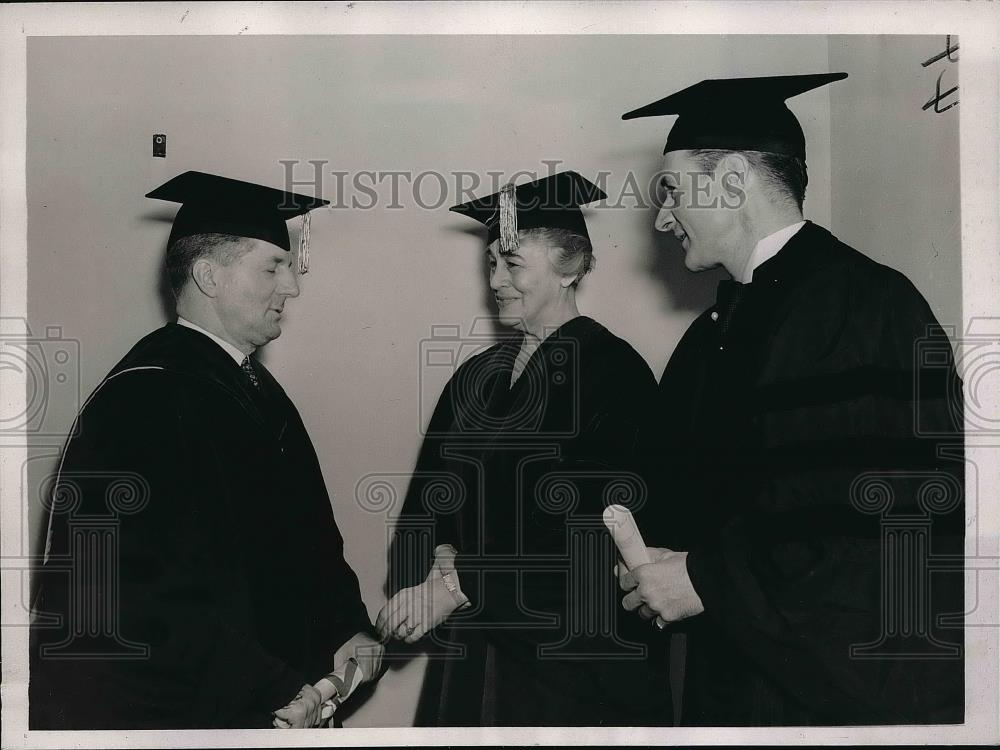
point(895, 167)
point(353, 352)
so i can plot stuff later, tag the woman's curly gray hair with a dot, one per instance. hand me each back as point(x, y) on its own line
point(573, 254)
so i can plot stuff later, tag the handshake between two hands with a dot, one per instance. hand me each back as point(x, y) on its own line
point(408, 615)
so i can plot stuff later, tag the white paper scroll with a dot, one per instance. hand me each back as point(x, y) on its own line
point(626, 534)
point(629, 541)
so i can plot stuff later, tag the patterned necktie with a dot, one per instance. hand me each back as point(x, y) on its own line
point(727, 299)
point(248, 369)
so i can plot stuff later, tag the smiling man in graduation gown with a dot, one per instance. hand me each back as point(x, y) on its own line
point(810, 457)
point(194, 575)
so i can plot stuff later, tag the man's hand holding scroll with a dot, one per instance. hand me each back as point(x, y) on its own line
point(661, 588)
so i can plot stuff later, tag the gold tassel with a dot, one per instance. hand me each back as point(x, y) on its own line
point(304, 243)
point(508, 220)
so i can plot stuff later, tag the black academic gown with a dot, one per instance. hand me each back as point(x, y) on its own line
point(812, 464)
point(195, 567)
point(516, 478)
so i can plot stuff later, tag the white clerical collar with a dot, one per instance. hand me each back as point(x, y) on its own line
point(231, 350)
point(767, 248)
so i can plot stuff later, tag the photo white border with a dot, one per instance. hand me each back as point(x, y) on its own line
point(976, 24)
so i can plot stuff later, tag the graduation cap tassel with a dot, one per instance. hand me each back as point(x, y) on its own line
point(508, 220)
point(304, 244)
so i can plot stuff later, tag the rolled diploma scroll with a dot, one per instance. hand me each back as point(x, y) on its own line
point(337, 687)
point(629, 541)
point(334, 689)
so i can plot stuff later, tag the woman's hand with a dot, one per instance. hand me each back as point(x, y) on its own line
point(303, 712)
point(415, 611)
point(366, 651)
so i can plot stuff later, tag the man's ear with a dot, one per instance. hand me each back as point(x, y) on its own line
point(734, 172)
point(203, 273)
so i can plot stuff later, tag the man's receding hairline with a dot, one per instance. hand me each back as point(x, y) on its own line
point(758, 162)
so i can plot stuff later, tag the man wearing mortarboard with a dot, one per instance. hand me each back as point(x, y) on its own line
point(807, 507)
point(218, 591)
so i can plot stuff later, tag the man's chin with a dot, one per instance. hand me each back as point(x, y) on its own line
point(270, 334)
point(696, 265)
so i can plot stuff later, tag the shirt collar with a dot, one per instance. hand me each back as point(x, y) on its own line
point(767, 248)
point(231, 350)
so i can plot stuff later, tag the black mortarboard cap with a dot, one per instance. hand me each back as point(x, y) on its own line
point(210, 203)
point(737, 114)
point(553, 202)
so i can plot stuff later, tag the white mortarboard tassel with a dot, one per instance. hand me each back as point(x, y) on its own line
point(304, 243)
point(508, 220)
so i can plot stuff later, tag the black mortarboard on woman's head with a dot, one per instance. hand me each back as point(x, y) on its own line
point(737, 114)
point(214, 204)
point(552, 202)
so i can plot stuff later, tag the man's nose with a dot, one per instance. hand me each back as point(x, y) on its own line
point(664, 220)
point(289, 286)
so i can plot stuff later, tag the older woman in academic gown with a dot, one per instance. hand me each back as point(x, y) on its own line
point(501, 535)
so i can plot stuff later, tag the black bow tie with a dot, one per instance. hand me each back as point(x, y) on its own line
point(727, 299)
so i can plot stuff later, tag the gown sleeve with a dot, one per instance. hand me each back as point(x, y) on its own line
point(602, 462)
point(178, 594)
point(792, 578)
point(419, 529)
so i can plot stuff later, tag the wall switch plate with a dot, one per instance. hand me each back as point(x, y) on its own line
point(160, 145)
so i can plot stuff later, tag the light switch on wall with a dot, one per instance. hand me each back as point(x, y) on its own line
point(160, 145)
